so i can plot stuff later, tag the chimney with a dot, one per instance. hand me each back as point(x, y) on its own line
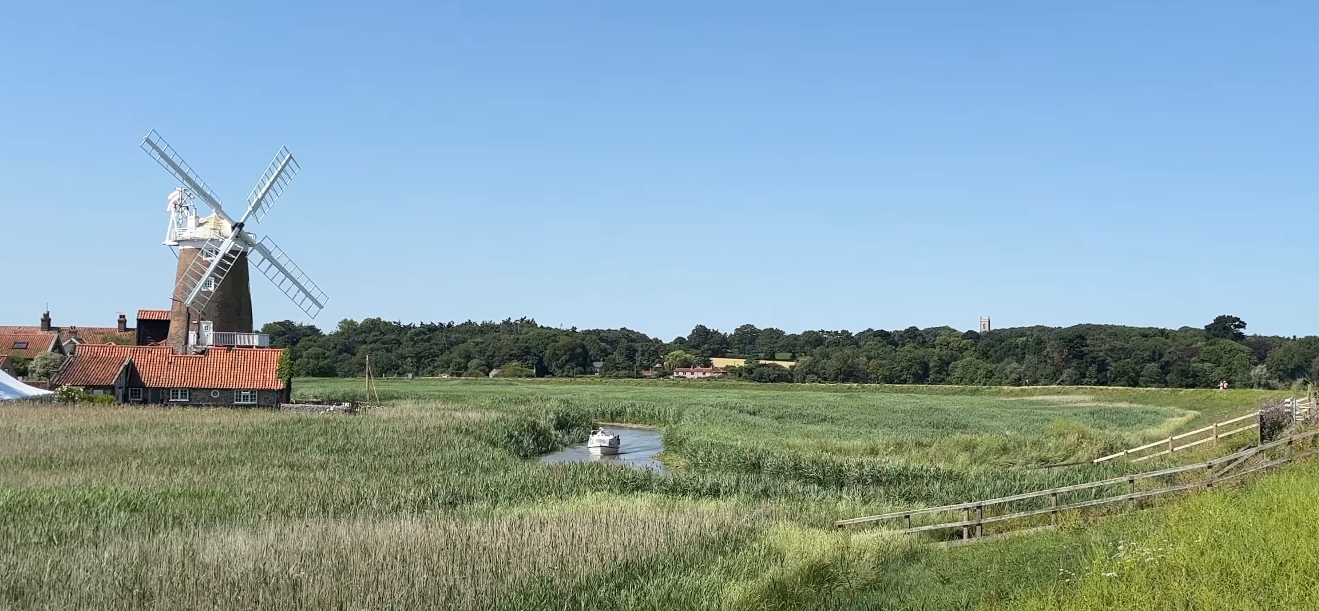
point(123, 323)
point(45, 321)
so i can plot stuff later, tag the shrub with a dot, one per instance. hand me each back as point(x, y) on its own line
point(70, 394)
point(515, 370)
point(1274, 418)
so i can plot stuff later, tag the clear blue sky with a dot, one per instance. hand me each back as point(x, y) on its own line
point(661, 164)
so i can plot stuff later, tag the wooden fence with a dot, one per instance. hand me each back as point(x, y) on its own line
point(974, 514)
point(1177, 443)
point(1212, 433)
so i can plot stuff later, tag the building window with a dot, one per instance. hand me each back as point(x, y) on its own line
point(96, 392)
point(20, 345)
point(245, 397)
point(135, 394)
point(178, 394)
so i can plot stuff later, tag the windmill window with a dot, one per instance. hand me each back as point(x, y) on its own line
point(20, 345)
point(178, 394)
point(209, 284)
point(210, 252)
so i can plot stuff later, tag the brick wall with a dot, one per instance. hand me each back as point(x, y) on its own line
point(203, 396)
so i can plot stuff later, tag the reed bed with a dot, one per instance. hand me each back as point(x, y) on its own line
point(434, 500)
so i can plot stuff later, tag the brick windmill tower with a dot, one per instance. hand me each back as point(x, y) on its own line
point(212, 300)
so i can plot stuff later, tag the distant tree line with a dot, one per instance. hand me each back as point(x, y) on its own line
point(1098, 355)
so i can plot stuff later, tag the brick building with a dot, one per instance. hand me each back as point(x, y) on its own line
point(157, 375)
point(152, 327)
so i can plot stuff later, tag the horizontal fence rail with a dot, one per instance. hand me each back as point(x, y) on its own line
point(974, 516)
point(1170, 445)
point(1214, 432)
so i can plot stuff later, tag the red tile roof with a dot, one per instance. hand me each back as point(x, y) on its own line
point(153, 314)
point(5, 329)
point(31, 344)
point(3, 358)
point(94, 335)
point(88, 335)
point(236, 368)
point(160, 367)
point(95, 365)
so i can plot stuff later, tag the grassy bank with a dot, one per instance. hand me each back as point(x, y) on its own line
point(432, 501)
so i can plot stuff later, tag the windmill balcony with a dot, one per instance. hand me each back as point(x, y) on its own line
point(227, 338)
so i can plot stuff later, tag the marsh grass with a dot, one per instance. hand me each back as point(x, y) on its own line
point(420, 562)
point(431, 501)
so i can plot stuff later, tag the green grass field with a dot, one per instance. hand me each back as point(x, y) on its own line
point(434, 501)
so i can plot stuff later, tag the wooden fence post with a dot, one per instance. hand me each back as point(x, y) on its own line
point(1170, 445)
point(907, 519)
point(1215, 433)
point(966, 530)
point(1053, 515)
point(1209, 474)
point(980, 517)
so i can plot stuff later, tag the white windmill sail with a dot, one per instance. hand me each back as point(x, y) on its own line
point(287, 276)
point(161, 151)
point(268, 188)
point(226, 240)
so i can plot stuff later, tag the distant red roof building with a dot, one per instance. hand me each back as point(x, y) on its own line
point(28, 344)
point(72, 336)
point(155, 374)
point(693, 373)
point(99, 365)
point(153, 314)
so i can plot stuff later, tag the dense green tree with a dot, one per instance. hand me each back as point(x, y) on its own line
point(1261, 377)
point(1151, 376)
point(43, 365)
point(476, 369)
point(19, 364)
point(971, 371)
point(769, 343)
point(1227, 360)
point(706, 342)
point(617, 365)
point(679, 358)
point(743, 340)
point(567, 357)
point(1082, 354)
point(1226, 327)
point(287, 334)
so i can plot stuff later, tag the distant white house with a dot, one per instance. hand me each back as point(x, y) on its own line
point(696, 373)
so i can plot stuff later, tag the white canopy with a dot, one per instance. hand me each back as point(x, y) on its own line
point(13, 390)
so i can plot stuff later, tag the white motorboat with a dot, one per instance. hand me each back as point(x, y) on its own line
point(602, 442)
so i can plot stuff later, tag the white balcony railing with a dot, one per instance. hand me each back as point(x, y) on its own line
point(228, 338)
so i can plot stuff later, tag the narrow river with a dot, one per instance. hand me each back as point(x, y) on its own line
point(638, 449)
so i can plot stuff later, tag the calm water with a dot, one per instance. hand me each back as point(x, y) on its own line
point(638, 449)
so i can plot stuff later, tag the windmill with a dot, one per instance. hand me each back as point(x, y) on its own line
point(212, 285)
